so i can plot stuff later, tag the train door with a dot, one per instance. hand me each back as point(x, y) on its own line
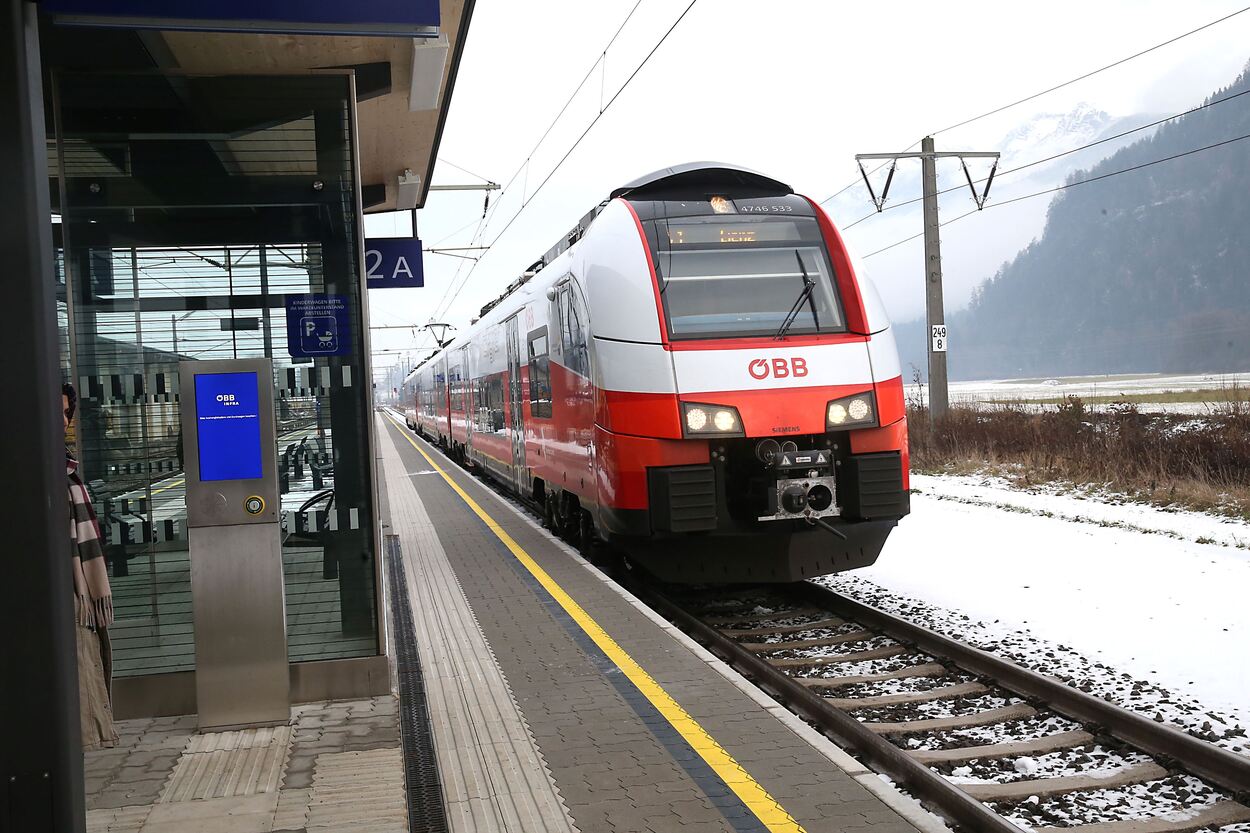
point(577, 430)
point(516, 418)
point(468, 398)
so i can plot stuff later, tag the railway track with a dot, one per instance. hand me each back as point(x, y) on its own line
point(986, 743)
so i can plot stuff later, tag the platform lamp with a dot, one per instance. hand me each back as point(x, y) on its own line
point(439, 331)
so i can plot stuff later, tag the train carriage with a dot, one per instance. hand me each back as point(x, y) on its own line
point(696, 376)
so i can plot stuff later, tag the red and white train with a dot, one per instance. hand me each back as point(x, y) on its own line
point(694, 375)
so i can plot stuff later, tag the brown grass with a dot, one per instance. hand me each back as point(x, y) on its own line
point(1164, 459)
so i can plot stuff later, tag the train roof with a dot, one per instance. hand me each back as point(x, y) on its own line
point(699, 177)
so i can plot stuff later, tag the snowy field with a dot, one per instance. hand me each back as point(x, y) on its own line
point(1087, 387)
point(1147, 607)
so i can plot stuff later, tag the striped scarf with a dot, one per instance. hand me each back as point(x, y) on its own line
point(94, 597)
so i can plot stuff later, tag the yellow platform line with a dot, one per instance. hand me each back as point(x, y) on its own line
point(748, 790)
point(173, 485)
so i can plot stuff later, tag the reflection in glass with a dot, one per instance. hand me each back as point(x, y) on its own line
point(189, 216)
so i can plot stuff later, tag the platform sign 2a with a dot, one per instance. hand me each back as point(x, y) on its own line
point(393, 262)
point(318, 325)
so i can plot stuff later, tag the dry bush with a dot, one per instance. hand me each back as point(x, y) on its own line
point(1201, 463)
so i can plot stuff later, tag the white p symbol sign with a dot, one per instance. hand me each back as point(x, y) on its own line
point(310, 327)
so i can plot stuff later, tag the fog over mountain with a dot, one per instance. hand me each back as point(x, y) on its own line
point(978, 250)
point(1144, 271)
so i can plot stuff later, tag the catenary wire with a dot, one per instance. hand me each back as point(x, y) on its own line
point(1060, 86)
point(575, 145)
point(1054, 156)
point(438, 309)
point(1092, 73)
point(589, 72)
point(1064, 188)
point(444, 239)
point(852, 184)
point(463, 170)
point(488, 217)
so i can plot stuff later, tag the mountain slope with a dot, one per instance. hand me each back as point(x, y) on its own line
point(1146, 271)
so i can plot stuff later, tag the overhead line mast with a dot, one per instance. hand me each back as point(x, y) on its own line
point(935, 316)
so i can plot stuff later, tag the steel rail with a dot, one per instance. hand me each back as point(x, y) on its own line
point(943, 796)
point(1219, 766)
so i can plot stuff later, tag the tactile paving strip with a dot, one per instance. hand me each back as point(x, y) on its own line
point(359, 792)
point(494, 775)
point(222, 764)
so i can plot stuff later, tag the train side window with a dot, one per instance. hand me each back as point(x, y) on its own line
point(494, 402)
point(540, 374)
point(483, 421)
point(573, 333)
point(456, 389)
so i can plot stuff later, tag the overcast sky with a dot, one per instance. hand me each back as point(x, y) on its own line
point(792, 88)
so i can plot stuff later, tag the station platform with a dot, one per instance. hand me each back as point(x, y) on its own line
point(558, 702)
point(547, 700)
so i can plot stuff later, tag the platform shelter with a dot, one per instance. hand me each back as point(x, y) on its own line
point(191, 184)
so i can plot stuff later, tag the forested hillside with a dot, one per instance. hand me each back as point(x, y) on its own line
point(1145, 271)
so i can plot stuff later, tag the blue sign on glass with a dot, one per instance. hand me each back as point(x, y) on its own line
point(411, 18)
point(227, 423)
point(318, 325)
point(393, 262)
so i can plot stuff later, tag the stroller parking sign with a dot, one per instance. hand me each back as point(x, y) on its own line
point(318, 325)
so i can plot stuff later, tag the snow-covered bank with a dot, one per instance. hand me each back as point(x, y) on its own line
point(1107, 510)
point(1121, 598)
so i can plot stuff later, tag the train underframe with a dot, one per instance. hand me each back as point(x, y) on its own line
point(739, 518)
point(764, 510)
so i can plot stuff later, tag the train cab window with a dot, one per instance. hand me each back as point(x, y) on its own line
point(540, 374)
point(728, 276)
point(573, 332)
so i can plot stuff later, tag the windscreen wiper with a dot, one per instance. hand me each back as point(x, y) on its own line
point(806, 296)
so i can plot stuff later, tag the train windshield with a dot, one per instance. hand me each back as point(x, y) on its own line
point(733, 276)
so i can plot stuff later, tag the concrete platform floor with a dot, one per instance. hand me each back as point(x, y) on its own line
point(338, 767)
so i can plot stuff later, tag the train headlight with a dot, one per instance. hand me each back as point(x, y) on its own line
point(703, 420)
point(857, 411)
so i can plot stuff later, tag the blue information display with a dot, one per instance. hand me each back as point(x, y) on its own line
point(227, 415)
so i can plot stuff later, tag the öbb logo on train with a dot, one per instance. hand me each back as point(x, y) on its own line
point(779, 368)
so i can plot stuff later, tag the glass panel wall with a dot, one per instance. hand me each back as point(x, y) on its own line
point(194, 212)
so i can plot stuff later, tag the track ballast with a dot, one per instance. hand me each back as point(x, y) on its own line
point(984, 742)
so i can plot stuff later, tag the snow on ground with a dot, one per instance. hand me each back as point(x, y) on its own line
point(1121, 599)
point(1153, 798)
point(1092, 761)
point(1100, 508)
